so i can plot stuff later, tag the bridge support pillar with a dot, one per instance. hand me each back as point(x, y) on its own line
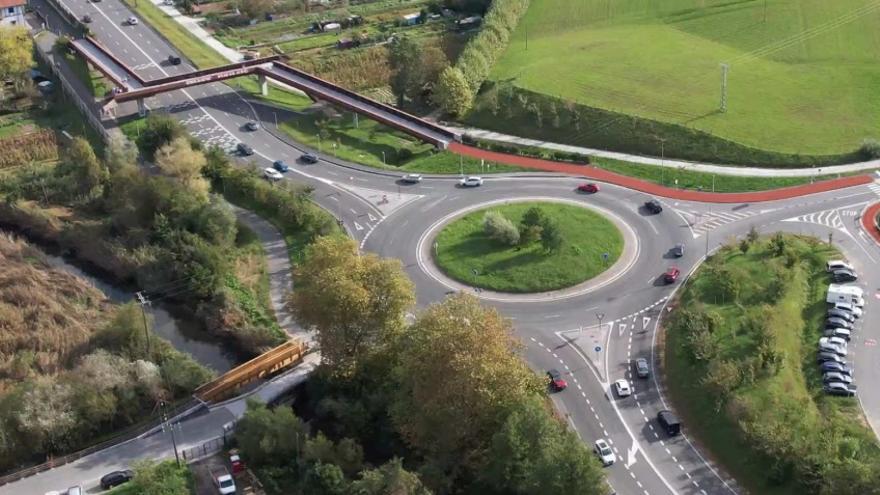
point(142, 107)
point(264, 85)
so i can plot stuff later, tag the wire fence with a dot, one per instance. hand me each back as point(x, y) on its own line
point(210, 447)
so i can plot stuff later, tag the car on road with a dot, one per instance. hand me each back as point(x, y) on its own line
point(244, 149)
point(411, 178)
point(835, 322)
point(843, 333)
point(174, 60)
point(824, 357)
point(271, 174)
point(87, 19)
point(116, 478)
point(850, 307)
point(653, 206)
point(604, 452)
point(678, 250)
point(839, 388)
point(642, 368)
point(834, 376)
point(280, 166)
point(252, 126)
point(838, 367)
point(589, 187)
point(308, 158)
point(669, 421)
point(470, 181)
point(622, 388)
point(671, 274)
point(843, 276)
point(556, 382)
point(839, 313)
point(833, 265)
point(132, 21)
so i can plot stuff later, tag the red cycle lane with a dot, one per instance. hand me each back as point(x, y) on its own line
point(869, 221)
point(656, 189)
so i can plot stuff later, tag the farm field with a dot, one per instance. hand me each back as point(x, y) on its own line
point(802, 79)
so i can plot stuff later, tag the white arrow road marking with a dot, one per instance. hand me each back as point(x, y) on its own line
point(645, 321)
point(621, 327)
point(371, 217)
point(631, 454)
point(358, 226)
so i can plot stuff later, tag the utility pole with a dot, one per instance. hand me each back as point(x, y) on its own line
point(724, 69)
point(142, 302)
point(170, 427)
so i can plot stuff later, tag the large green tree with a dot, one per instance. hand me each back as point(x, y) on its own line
point(16, 49)
point(355, 302)
point(270, 436)
point(407, 75)
point(452, 93)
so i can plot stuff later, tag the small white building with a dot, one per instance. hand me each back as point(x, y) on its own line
point(13, 12)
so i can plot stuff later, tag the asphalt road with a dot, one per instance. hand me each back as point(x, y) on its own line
point(561, 332)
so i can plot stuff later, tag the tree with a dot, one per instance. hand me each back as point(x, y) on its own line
point(500, 228)
point(16, 57)
point(405, 60)
point(179, 160)
point(89, 173)
point(531, 225)
point(753, 235)
point(551, 236)
point(459, 373)
point(452, 93)
point(165, 478)
point(270, 436)
point(257, 9)
point(120, 153)
point(159, 130)
point(389, 479)
point(355, 302)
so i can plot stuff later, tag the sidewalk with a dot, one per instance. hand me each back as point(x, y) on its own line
point(656, 189)
point(677, 164)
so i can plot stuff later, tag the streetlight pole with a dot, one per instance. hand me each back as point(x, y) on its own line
point(383, 158)
point(276, 119)
point(600, 317)
point(170, 426)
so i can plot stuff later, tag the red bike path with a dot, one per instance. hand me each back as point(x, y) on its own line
point(656, 189)
point(868, 219)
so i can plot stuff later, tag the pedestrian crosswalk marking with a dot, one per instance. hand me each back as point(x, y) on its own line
point(874, 186)
point(701, 222)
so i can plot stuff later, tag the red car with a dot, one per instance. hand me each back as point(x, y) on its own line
point(588, 188)
point(671, 275)
point(557, 384)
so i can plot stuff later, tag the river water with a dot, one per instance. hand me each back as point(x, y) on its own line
point(182, 331)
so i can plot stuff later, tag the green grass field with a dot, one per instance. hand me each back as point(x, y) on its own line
point(463, 246)
point(803, 79)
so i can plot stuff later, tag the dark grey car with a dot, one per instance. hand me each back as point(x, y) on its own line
point(642, 368)
point(840, 313)
point(838, 367)
point(678, 250)
point(835, 322)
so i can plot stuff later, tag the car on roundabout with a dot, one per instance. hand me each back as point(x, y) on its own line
point(588, 187)
point(244, 149)
point(308, 158)
point(132, 21)
point(556, 382)
point(411, 178)
point(472, 181)
point(671, 274)
point(653, 206)
point(280, 166)
point(252, 126)
point(622, 388)
point(678, 250)
point(272, 175)
point(603, 452)
point(642, 368)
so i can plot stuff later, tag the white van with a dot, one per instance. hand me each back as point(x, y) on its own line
point(845, 294)
point(838, 265)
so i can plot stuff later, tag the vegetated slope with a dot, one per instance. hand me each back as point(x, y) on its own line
point(801, 79)
point(46, 314)
point(741, 369)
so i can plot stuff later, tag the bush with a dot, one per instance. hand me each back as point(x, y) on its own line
point(500, 228)
point(870, 149)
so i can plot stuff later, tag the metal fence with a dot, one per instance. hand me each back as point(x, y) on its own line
point(210, 447)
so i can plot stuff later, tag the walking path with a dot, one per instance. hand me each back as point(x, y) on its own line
point(656, 189)
point(677, 164)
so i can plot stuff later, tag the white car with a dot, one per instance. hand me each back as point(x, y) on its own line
point(411, 178)
point(132, 21)
point(470, 181)
point(838, 265)
point(838, 341)
point(834, 376)
point(604, 452)
point(272, 174)
point(622, 388)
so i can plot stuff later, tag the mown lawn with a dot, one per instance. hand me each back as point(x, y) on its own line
point(767, 310)
point(801, 80)
point(463, 247)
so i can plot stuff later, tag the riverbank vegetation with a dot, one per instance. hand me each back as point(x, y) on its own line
point(740, 360)
point(74, 366)
point(395, 407)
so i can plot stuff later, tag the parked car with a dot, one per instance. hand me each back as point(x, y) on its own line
point(604, 452)
point(838, 367)
point(838, 265)
point(557, 383)
point(589, 187)
point(671, 275)
point(252, 126)
point(678, 250)
point(280, 166)
point(836, 349)
point(132, 21)
point(174, 60)
point(653, 206)
point(833, 341)
point(838, 332)
point(824, 357)
point(272, 175)
point(835, 322)
point(842, 389)
point(470, 182)
point(843, 276)
point(622, 388)
point(834, 376)
point(308, 158)
point(244, 149)
point(669, 422)
point(642, 368)
point(850, 307)
point(839, 313)
point(411, 178)
point(116, 478)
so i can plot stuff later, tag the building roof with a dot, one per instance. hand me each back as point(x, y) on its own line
point(11, 3)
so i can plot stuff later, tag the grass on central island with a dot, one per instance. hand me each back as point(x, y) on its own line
point(740, 366)
point(463, 247)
